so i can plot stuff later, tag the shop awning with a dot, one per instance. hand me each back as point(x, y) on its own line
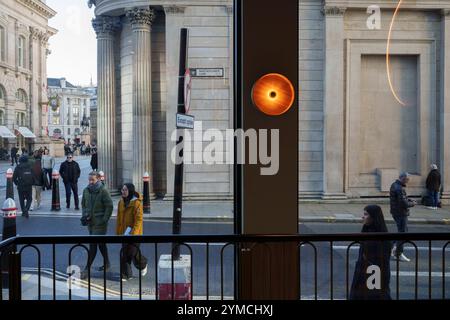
point(6, 133)
point(26, 133)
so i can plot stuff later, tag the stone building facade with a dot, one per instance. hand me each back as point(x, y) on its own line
point(72, 107)
point(24, 35)
point(354, 137)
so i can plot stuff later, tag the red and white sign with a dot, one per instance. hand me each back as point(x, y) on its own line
point(187, 90)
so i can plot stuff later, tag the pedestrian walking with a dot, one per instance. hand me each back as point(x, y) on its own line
point(23, 179)
point(374, 255)
point(14, 151)
point(38, 183)
point(130, 215)
point(48, 164)
point(400, 205)
point(94, 161)
point(97, 208)
point(433, 185)
point(70, 173)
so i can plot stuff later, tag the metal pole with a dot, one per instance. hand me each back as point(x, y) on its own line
point(9, 184)
point(179, 167)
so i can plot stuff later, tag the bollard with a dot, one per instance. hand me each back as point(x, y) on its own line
point(9, 219)
point(102, 177)
point(9, 184)
point(177, 272)
point(9, 230)
point(56, 205)
point(146, 193)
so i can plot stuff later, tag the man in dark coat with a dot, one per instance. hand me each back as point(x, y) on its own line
point(94, 161)
point(14, 151)
point(97, 208)
point(400, 205)
point(433, 185)
point(23, 179)
point(70, 173)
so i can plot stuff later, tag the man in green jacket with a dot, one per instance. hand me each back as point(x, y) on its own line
point(97, 207)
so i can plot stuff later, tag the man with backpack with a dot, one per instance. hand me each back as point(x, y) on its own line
point(23, 178)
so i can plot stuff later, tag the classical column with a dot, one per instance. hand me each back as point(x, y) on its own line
point(333, 104)
point(445, 105)
point(105, 28)
point(174, 22)
point(141, 22)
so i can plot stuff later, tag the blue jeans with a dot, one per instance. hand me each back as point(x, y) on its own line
point(402, 226)
point(434, 196)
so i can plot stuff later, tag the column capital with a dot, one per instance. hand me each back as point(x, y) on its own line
point(229, 9)
point(445, 13)
point(141, 16)
point(174, 9)
point(333, 11)
point(105, 25)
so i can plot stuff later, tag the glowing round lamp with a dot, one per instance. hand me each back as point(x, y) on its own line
point(273, 94)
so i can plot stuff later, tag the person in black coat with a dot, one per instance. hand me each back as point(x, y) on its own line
point(14, 152)
point(23, 179)
point(373, 255)
point(94, 161)
point(433, 185)
point(70, 173)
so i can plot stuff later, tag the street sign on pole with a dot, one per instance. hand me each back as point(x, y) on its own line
point(184, 121)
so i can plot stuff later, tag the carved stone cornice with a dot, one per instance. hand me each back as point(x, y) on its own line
point(105, 25)
point(333, 11)
point(174, 9)
point(141, 16)
point(39, 7)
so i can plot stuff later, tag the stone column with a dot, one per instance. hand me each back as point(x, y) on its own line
point(174, 22)
point(445, 105)
point(333, 165)
point(141, 21)
point(105, 28)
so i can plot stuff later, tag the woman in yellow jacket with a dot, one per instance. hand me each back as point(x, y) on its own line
point(130, 222)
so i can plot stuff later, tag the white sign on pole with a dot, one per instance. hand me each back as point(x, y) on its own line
point(187, 90)
point(184, 121)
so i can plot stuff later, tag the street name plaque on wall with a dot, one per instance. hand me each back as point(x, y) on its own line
point(207, 72)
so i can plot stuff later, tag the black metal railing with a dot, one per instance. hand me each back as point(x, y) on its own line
point(326, 264)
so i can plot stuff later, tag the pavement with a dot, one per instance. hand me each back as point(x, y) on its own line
point(222, 211)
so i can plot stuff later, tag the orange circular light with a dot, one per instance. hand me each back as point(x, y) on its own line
point(273, 94)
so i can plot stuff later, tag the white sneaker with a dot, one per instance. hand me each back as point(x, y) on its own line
point(404, 258)
point(431, 208)
point(393, 251)
point(144, 271)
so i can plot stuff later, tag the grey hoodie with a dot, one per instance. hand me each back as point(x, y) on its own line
point(48, 162)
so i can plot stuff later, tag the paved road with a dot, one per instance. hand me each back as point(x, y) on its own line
point(70, 225)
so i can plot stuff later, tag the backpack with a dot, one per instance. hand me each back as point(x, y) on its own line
point(26, 177)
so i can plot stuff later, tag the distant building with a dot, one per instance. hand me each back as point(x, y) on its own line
point(93, 118)
point(69, 111)
point(24, 35)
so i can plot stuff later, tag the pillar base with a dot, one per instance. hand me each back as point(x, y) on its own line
point(334, 196)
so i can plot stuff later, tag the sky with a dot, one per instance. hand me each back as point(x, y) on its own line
point(74, 48)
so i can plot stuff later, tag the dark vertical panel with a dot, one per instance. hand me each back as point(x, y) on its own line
point(266, 41)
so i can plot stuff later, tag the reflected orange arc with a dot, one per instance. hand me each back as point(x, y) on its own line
point(273, 94)
point(388, 48)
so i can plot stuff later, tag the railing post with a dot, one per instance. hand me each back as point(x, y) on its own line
point(15, 281)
